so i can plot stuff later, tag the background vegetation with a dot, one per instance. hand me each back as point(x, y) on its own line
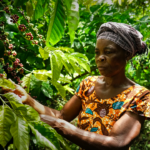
point(47, 46)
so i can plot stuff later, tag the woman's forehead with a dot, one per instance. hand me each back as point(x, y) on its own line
point(106, 43)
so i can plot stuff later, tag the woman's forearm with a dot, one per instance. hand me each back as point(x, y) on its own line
point(85, 139)
point(41, 109)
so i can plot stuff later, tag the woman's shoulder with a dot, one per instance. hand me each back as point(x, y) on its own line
point(89, 80)
point(139, 91)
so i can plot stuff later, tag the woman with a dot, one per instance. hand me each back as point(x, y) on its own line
point(111, 108)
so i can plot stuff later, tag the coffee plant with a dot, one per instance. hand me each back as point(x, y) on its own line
point(45, 48)
point(17, 121)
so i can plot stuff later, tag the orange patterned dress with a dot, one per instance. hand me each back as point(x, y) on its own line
point(99, 115)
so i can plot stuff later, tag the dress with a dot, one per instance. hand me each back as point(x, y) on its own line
point(99, 115)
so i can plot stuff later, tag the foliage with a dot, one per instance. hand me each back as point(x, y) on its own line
point(17, 119)
point(45, 47)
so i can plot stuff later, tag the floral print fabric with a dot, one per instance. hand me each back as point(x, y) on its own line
point(99, 115)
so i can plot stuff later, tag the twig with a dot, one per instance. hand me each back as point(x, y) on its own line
point(27, 70)
point(4, 102)
point(92, 69)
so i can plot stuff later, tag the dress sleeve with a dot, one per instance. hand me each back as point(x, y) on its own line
point(81, 88)
point(141, 104)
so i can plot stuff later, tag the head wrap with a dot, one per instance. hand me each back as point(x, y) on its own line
point(123, 35)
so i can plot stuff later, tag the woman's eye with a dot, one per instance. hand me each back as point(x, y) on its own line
point(96, 52)
point(108, 52)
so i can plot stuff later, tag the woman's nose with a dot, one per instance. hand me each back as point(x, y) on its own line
point(101, 58)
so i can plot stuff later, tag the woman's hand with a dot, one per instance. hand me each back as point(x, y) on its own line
point(60, 125)
point(18, 91)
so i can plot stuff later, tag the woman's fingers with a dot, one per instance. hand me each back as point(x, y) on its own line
point(18, 91)
point(3, 90)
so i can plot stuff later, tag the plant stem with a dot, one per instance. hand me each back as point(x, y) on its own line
point(4, 101)
point(27, 70)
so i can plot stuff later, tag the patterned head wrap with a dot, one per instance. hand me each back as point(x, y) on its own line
point(123, 35)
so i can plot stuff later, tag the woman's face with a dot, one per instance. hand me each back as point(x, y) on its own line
point(109, 57)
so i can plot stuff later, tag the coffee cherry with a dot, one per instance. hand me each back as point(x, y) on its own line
point(7, 53)
point(2, 23)
point(27, 18)
point(15, 64)
point(18, 60)
point(3, 37)
point(6, 9)
point(21, 71)
point(40, 36)
point(11, 57)
point(2, 60)
point(20, 82)
point(25, 87)
point(22, 27)
point(14, 18)
point(1, 75)
point(35, 42)
point(14, 53)
point(10, 69)
point(10, 46)
point(31, 25)
point(29, 36)
point(21, 65)
point(18, 79)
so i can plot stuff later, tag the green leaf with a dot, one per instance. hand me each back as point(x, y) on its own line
point(79, 55)
point(63, 142)
point(7, 118)
point(25, 112)
point(20, 133)
point(56, 66)
point(44, 54)
point(130, 1)
point(64, 60)
point(83, 63)
point(6, 84)
point(36, 87)
point(60, 89)
point(42, 74)
point(64, 79)
point(75, 66)
point(19, 2)
point(41, 7)
point(47, 90)
point(12, 97)
point(120, 2)
point(65, 49)
point(69, 89)
point(72, 8)
point(56, 25)
point(45, 135)
point(26, 81)
point(29, 9)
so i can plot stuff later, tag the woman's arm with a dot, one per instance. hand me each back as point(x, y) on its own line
point(68, 113)
point(125, 130)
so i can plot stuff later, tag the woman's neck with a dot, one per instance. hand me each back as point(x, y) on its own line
point(117, 80)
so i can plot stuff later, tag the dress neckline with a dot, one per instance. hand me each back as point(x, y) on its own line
point(124, 91)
